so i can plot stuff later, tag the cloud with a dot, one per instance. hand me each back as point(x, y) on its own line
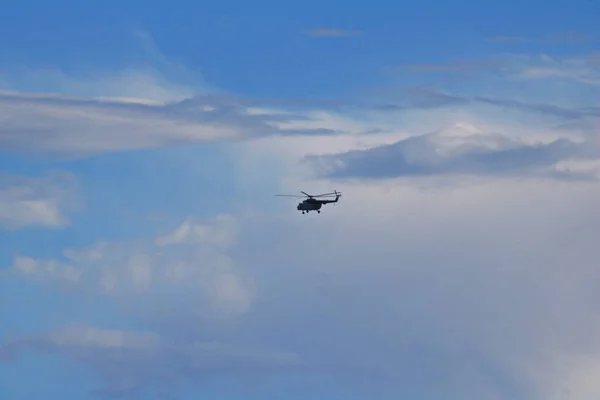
point(445, 292)
point(454, 67)
point(65, 126)
point(423, 98)
point(36, 201)
point(44, 111)
point(192, 258)
point(458, 150)
point(332, 32)
point(441, 288)
point(438, 287)
point(223, 234)
point(142, 109)
point(153, 78)
point(143, 85)
point(566, 37)
point(578, 69)
point(574, 69)
point(129, 361)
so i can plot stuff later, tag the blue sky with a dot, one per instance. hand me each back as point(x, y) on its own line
point(143, 254)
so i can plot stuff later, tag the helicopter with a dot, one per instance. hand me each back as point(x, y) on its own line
point(311, 203)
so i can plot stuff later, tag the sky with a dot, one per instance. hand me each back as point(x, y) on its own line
point(143, 254)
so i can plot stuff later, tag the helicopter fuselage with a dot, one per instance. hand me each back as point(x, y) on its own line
point(314, 204)
point(309, 205)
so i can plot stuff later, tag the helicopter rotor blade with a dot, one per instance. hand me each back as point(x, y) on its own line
point(310, 196)
point(328, 194)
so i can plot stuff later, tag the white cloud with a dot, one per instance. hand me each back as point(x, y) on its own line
point(62, 126)
point(199, 266)
point(36, 201)
point(480, 274)
point(129, 110)
point(222, 234)
point(134, 109)
point(462, 149)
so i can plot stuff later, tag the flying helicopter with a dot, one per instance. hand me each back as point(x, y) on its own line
point(312, 203)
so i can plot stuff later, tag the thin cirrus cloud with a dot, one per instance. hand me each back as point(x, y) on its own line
point(333, 32)
point(566, 37)
point(453, 67)
point(580, 69)
point(423, 98)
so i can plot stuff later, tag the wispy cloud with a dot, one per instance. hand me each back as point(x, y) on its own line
point(453, 67)
point(582, 69)
point(566, 37)
point(333, 32)
point(68, 126)
point(37, 201)
point(424, 98)
point(129, 361)
point(133, 270)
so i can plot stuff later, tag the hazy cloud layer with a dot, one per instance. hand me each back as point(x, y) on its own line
point(457, 292)
point(129, 361)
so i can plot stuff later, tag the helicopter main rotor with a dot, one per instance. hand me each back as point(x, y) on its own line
point(335, 193)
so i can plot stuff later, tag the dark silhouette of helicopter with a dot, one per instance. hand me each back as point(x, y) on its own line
point(312, 203)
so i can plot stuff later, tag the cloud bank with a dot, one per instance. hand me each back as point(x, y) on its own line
point(385, 301)
point(463, 150)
